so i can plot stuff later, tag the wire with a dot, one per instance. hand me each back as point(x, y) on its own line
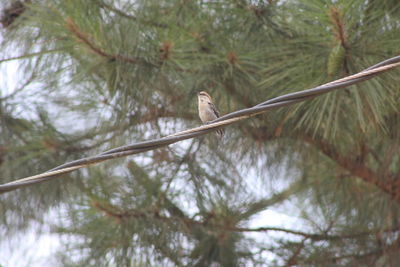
point(230, 118)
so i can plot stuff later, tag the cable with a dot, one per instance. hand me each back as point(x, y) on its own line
point(230, 118)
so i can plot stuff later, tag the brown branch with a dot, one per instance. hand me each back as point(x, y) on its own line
point(355, 165)
point(119, 216)
point(393, 247)
point(352, 165)
point(114, 212)
point(293, 259)
point(387, 159)
point(338, 26)
point(340, 34)
point(318, 237)
point(11, 13)
point(374, 154)
point(84, 38)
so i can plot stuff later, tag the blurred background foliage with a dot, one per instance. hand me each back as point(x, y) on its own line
point(95, 74)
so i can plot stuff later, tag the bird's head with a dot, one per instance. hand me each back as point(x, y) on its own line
point(203, 96)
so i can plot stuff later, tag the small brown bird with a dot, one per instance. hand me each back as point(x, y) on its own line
point(207, 110)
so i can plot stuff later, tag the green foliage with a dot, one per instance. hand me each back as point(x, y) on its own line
point(336, 60)
point(97, 74)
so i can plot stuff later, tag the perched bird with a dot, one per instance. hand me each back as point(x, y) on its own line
point(207, 110)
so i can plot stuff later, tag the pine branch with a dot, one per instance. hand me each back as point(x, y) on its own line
point(84, 38)
point(132, 17)
point(350, 164)
point(20, 89)
point(209, 224)
point(31, 55)
point(229, 86)
point(13, 12)
point(393, 247)
point(293, 259)
point(263, 204)
point(387, 160)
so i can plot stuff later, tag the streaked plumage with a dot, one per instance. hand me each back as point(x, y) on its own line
point(207, 110)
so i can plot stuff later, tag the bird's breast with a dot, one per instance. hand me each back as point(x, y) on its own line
point(205, 113)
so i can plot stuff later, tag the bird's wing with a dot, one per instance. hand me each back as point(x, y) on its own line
point(221, 131)
point(214, 109)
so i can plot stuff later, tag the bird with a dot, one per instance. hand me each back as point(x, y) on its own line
point(207, 110)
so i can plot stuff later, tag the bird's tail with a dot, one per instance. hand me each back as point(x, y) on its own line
point(221, 133)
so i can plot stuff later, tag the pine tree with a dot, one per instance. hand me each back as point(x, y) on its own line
point(96, 74)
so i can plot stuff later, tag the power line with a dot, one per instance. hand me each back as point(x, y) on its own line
point(230, 118)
